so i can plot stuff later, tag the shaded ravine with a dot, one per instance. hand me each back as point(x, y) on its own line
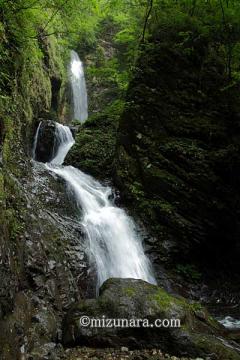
point(114, 245)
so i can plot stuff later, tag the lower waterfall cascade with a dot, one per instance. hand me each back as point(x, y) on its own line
point(115, 247)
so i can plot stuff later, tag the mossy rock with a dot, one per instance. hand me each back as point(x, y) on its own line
point(94, 150)
point(136, 299)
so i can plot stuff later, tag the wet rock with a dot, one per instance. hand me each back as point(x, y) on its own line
point(45, 144)
point(137, 299)
point(47, 351)
point(51, 267)
point(74, 129)
point(117, 354)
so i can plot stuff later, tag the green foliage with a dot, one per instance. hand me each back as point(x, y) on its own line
point(84, 24)
point(136, 190)
point(81, 24)
point(216, 20)
point(189, 272)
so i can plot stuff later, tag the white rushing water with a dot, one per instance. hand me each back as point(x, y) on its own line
point(62, 143)
point(35, 141)
point(230, 323)
point(79, 90)
point(115, 248)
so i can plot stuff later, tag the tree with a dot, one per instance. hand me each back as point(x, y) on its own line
point(148, 13)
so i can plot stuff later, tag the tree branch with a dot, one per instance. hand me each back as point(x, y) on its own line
point(229, 42)
point(146, 19)
point(55, 13)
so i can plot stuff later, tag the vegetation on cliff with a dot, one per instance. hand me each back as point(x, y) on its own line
point(176, 157)
point(163, 79)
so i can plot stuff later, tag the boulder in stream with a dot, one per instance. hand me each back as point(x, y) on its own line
point(198, 335)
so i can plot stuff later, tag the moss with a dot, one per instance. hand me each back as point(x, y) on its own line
point(94, 150)
point(189, 272)
point(211, 345)
point(129, 291)
point(11, 142)
point(166, 301)
point(194, 317)
point(2, 193)
point(195, 306)
point(15, 226)
point(136, 190)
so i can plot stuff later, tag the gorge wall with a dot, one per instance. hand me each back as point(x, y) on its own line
point(39, 247)
point(175, 155)
point(178, 151)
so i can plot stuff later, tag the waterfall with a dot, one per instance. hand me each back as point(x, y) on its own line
point(62, 143)
point(35, 141)
point(115, 247)
point(79, 91)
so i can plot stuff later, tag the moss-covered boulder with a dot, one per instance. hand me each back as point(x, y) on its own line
point(94, 150)
point(192, 331)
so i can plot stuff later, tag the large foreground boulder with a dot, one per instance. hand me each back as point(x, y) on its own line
point(198, 335)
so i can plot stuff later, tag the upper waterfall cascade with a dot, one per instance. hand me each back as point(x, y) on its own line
point(79, 90)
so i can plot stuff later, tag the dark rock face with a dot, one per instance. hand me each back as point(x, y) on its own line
point(178, 153)
point(56, 87)
point(51, 266)
point(45, 143)
point(136, 299)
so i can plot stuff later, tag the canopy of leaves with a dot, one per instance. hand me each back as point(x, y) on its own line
point(80, 23)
